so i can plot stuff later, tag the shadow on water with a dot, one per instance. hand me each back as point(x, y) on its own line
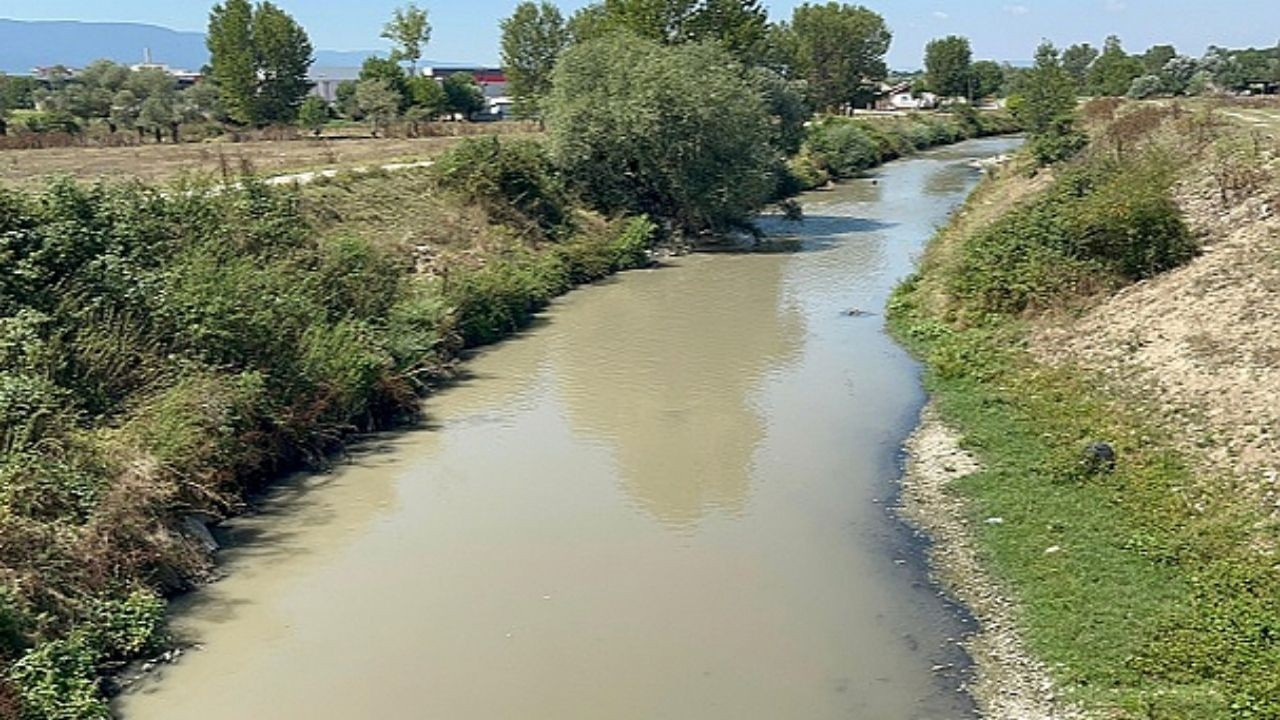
point(815, 233)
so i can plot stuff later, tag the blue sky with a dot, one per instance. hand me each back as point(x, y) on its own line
point(1000, 29)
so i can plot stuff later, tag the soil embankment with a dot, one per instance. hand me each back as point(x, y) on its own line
point(1124, 299)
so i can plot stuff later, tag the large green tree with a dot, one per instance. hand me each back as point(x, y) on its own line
point(948, 66)
point(738, 26)
point(1076, 60)
point(988, 79)
point(410, 31)
point(233, 67)
point(390, 72)
point(837, 49)
point(678, 133)
point(1044, 103)
point(1156, 57)
point(532, 39)
point(259, 58)
point(1114, 70)
point(284, 56)
point(463, 95)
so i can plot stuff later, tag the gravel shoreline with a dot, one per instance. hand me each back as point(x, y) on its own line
point(1010, 684)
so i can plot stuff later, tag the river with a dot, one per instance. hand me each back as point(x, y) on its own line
point(670, 498)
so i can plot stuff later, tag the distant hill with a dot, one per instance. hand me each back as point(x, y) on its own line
point(28, 44)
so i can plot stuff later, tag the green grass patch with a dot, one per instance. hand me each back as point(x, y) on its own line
point(1142, 587)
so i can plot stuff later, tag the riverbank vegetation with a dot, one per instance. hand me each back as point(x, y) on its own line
point(1147, 584)
point(169, 350)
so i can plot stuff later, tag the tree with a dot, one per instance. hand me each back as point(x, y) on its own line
point(1044, 104)
point(426, 96)
point(379, 102)
point(259, 58)
point(232, 65)
point(988, 79)
point(126, 109)
point(1156, 57)
point(313, 114)
point(1076, 61)
point(785, 101)
point(837, 49)
point(345, 95)
point(677, 133)
point(1145, 86)
point(947, 63)
point(1114, 70)
point(205, 102)
point(284, 56)
point(99, 82)
point(159, 109)
point(1177, 73)
point(409, 30)
point(390, 72)
point(738, 26)
point(532, 39)
point(463, 95)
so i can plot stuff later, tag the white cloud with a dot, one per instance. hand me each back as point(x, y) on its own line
point(940, 15)
point(1116, 6)
point(1017, 9)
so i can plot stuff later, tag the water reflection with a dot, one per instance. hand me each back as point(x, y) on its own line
point(678, 415)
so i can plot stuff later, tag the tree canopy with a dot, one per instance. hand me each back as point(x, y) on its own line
point(532, 40)
point(677, 133)
point(410, 31)
point(837, 49)
point(1114, 70)
point(948, 63)
point(259, 58)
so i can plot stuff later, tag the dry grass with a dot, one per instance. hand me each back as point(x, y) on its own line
point(157, 163)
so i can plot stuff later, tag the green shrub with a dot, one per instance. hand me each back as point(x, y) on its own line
point(1101, 224)
point(513, 180)
point(843, 148)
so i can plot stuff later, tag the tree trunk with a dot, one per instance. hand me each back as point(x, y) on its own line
point(4, 127)
point(112, 127)
point(173, 132)
point(156, 132)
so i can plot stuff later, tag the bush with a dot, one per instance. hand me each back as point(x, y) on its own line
point(844, 148)
point(514, 181)
point(1102, 223)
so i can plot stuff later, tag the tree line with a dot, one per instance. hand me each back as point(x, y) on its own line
point(837, 51)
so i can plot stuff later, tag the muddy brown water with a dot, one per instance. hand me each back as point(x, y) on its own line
point(667, 499)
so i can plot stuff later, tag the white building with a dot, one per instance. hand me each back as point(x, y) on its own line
point(325, 80)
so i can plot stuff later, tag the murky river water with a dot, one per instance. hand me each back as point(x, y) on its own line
point(666, 500)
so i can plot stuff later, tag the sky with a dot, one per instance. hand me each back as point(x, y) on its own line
point(467, 30)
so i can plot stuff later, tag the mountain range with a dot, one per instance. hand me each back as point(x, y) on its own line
point(38, 43)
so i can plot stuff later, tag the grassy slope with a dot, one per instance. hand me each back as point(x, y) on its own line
point(166, 352)
point(1156, 602)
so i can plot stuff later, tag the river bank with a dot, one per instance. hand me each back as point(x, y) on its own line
point(253, 344)
point(1141, 580)
point(685, 505)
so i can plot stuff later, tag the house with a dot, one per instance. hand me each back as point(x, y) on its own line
point(900, 96)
